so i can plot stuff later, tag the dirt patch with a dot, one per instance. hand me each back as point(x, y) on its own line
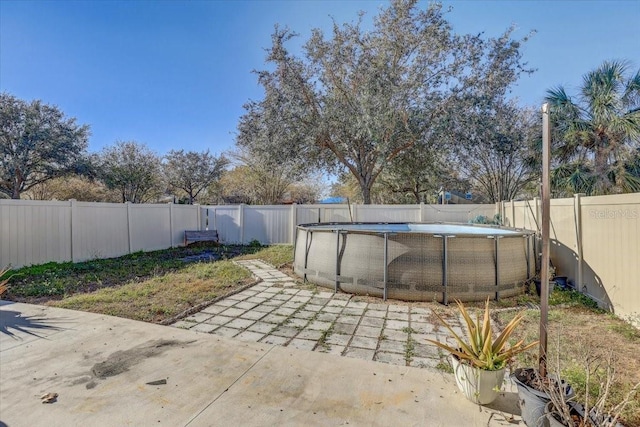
point(121, 361)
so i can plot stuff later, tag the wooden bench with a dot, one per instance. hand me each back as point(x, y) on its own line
point(192, 236)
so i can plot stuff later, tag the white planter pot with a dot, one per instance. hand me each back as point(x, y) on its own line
point(478, 385)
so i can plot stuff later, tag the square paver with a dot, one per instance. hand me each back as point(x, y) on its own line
point(420, 311)
point(392, 358)
point(364, 342)
point(303, 314)
point(238, 297)
point(253, 315)
point(326, 317)
point(302, 299)
point(344, 328)
point(313, 307)
point(352, 320)
point(219, 320)
point(183, 325)
point(249, 336)
point(372, 321)
point(227, 332)
point(376, 313)
point(391, 346)
point(240, 323)
point(272, 339)
point(379, 307)
point(426, 350)
point(357, 304)
point(290, 291)
point(399, 308)
point(394, 335)
point(368, 331)
point(261, 327)
point(331, 349)
point(338, 302)
point(424, 362)
point(393, 315)
point(295, 322)
point(245, 305)
point(353, 311)
point(338, 339)
point(283, 311)
point(422, 328)
point(326, 295)
point(305, 293)
point(302, 344)
point(285, 331)
point(282, 297)
point(198, 317)
point(360, 353)
point(292, 304)
point(264, 308)
point(214, 309)
point(332, 309)
point(233, 312)
point(226, 302)
point(318, 301)
point(396, 324)
point(319, 326)
point(274, 318)
point(204, 327)
point(309, 334)
point(256, 300)
point(273, 303)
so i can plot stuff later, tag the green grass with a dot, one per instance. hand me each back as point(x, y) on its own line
point(276, 255)
point(149, 286)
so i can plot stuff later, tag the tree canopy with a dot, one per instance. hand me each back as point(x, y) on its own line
point(597, 133)
point(37, 143)
point(359, 99)
point(192, 172)
point(133, 169)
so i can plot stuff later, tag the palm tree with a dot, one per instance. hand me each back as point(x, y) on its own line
point(597, 136)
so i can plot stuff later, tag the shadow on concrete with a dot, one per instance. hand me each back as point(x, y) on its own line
point(13, 323)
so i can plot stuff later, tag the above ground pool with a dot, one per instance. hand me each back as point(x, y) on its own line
point(416, 261)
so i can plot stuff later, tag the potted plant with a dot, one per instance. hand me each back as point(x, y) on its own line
point(479, 361)
point(561, 411)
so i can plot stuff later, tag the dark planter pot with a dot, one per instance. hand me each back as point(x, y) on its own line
point(575, 409)
point(539, 286)
point(532, 402)
point(561, 282)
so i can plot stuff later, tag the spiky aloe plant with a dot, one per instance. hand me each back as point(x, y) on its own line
point(481, 350)
point(3, 283)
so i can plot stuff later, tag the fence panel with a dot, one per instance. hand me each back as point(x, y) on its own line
point(150, 228)
point(456, 213)
point(225, 219)
point(183, 217)
point(34, 232)
point(267, 224)
point(100, 230)
point(387, 213)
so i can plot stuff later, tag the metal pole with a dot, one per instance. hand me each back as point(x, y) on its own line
point(544, 268)
point(337, 260)
point(527, 239)
point(386, 265)
point(306, 255)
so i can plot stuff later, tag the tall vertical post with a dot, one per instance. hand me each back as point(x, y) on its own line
point(337, 283)
point(577, 211)
point(171, 224)
point(129, 231)
point(544, 268)
point(294, 220)
point(241, 222)
point(386, 265)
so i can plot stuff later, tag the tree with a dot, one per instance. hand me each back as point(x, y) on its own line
point(494, 148)
point(597, 133)
point(134, 170)
point(358, 100)
point(37, 143)
point(73, 187)
point(193, 172)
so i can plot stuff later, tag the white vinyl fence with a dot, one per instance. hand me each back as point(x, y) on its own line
point(37, 232)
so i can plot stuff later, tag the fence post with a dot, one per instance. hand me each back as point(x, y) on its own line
point(513, 214)
point(536, 205)
point(128, 204)
point(294, 220)
point(577, 212)
point(241, 221)
point(74, 233)
point(171, 223)
point(421, 211)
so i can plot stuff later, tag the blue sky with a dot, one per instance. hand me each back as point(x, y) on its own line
point(175, 74)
